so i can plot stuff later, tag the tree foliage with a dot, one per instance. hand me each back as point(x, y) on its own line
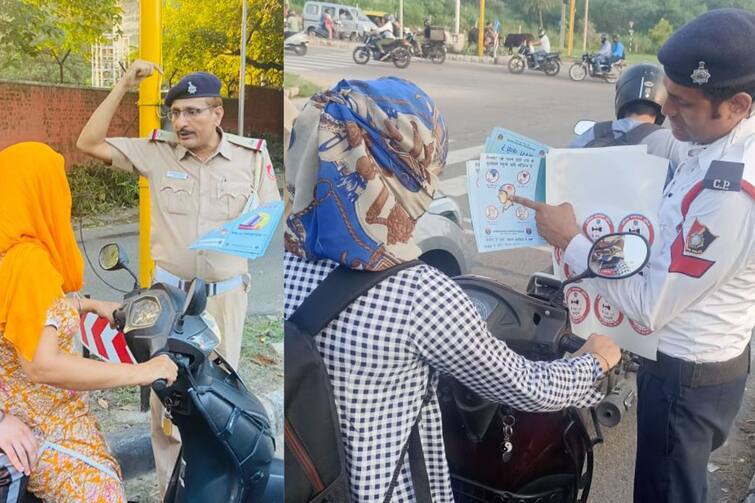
point(202, 35)
point(54, 30)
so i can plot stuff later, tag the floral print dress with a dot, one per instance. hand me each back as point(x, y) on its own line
point(74, 464)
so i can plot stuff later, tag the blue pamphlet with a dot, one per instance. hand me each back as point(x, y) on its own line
point(248, 235)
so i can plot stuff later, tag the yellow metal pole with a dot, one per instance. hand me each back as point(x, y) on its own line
point(572, 11)
point(150, 48)
point(481, 30)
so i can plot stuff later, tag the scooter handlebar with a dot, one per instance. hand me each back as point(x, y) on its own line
point(570, 343)
point(159, 385)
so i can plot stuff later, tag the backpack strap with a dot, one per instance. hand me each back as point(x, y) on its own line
point(638, 133)
point(417, 466)
point(603, 129)
point(334, 294)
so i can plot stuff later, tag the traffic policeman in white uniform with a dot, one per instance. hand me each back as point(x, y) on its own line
point(698, 291)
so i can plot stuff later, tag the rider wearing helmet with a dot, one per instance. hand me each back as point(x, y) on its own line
point(640, 94)
point(603, 56)
point(428, 23)
point(544, 47)
point(386, 36)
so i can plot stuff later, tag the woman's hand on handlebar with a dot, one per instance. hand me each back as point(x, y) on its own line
point(159, 367)
point(603, 347)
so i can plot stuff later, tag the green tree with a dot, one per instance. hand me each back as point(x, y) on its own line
point(660, 33)
point(202, 35)
point(54, 29)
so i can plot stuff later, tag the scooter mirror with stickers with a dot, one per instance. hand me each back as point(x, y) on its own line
point(617, 256)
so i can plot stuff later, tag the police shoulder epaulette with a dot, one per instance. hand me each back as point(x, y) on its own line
point(163, 136)
point(257, 144)
point(724, 175)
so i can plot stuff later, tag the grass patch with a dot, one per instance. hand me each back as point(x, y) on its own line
point(261, 365)
point(633, 59)
point(97, 189)
point(306, 88)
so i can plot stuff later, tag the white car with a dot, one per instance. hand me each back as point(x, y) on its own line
point(441, 238)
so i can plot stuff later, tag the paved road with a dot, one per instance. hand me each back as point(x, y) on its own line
point(475, 98)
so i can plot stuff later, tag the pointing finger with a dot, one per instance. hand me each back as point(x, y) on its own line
point(529, 203)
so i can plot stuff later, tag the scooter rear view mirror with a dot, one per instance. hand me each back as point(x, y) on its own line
point(613, 256)
point(582, 127)
point(112, 258)
point(619, 255)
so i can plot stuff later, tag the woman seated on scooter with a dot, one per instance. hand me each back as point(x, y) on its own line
point(42, 380)
point(362, 168)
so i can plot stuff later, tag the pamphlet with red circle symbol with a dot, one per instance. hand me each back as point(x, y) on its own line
point(638, 224)
point(578, 303)
point(608, 316)
point(612, 189)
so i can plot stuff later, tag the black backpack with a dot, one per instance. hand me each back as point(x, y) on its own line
point(314, 453)
point(604, 135)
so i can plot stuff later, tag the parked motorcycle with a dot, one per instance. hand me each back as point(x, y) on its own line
point(227, 449)
point(397, 51)
point(498, 454)
point(550, 63)
point(434, 50)
point(608, 72)
point(298, 42)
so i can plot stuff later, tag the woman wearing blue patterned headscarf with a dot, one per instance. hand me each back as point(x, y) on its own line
point(363, 163)
point(362, 169)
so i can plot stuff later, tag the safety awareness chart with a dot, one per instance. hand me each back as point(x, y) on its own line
point(101, 340)
point(511, 165)
point(498, 223)
point(247, 236)
point(612, 189)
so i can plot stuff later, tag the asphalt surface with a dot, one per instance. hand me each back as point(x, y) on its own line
point(475, 98)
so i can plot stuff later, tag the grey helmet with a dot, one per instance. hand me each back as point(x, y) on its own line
point(641, 83)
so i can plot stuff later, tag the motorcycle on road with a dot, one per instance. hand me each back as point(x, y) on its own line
point(608, 72)
point(398, 51)
point(434, 50)
point(297, 42)
point(550, 63)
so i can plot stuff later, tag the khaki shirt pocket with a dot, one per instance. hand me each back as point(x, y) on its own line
point(232, 197)
point(176, 195)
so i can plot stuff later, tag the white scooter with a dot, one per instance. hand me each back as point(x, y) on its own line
point(296, 42)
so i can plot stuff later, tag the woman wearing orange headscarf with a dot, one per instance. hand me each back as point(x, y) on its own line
point(42, 381)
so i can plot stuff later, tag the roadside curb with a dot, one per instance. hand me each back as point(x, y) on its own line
point(133, 448)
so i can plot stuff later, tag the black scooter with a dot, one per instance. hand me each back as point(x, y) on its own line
point(227, 445)
point(498, 454)
point(549, 65)
point(397, 51)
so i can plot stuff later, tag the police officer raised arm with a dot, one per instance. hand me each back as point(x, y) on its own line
point(698, 291)
point(200, 178)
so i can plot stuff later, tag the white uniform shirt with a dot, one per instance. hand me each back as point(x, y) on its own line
point(698, 290)
point(545, 44)
point(387, 30)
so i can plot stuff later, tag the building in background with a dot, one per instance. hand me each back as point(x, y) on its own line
point(111, 58)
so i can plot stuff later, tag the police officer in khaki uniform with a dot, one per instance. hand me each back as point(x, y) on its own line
point(200, 178)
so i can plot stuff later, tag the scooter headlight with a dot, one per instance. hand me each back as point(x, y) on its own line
point(143, 313)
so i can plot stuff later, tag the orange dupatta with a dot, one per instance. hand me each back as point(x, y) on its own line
point(41, 259)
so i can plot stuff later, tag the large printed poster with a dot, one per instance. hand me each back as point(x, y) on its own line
point(612, 189)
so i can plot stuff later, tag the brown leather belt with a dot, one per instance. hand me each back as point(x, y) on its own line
point(698, 374)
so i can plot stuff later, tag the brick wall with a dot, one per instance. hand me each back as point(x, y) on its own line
point(55, 114)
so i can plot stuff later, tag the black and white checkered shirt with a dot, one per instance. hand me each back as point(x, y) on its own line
point(379, 352)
